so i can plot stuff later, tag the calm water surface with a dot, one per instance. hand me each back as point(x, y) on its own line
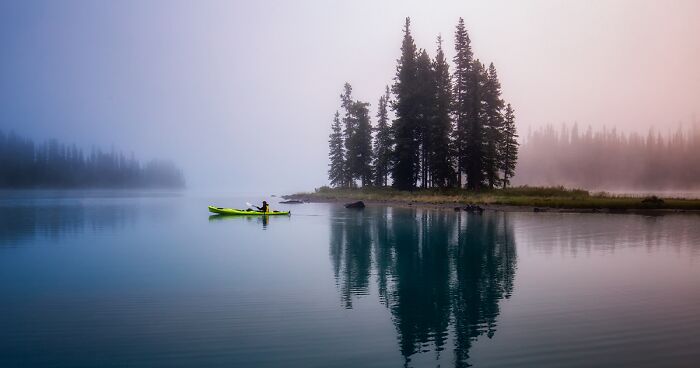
point(151, 280)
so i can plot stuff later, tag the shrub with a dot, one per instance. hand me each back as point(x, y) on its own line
point(652, 201)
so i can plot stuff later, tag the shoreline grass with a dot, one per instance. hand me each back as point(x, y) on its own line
point(524, 196)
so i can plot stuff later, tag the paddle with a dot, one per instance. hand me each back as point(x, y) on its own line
point(251, 206)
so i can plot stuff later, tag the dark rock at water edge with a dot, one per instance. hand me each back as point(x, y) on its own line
point(472, 208)
point(358, 204)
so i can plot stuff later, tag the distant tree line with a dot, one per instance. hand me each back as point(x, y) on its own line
point(448, 126)
point(608, 159)
point(25, 164)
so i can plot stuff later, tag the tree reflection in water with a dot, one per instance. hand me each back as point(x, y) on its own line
point(22, 223)
point(441, 274)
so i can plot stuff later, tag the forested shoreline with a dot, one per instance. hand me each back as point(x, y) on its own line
point(608, 159)
point(50, 164)
point(448, 127)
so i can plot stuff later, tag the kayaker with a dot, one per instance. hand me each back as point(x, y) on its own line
point(265, 207)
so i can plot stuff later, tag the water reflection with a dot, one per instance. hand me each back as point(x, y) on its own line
point(588, 233)
point(263, 220)
point(20, 223)
point(441, 274)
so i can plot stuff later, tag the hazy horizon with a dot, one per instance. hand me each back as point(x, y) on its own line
point(241, 95)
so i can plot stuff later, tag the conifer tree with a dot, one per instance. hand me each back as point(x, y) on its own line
point(406, 153)
point(445, 128)
point(358, 139)
point(462, 102)
point(493, 125)
point(425, 112)
point(361, 164)
point(442, 172)
point(336, 147)
point(509, 146)
point(472, 145)
point(382, 142)
point(348, 133)
point(474, 140)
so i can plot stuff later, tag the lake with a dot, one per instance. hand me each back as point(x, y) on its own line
point(147, 279)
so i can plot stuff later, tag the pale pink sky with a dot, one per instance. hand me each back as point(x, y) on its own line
point(628, 64)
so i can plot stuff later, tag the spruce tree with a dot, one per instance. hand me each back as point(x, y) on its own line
point(463, 61)
point(346, 103)
point(406, 154)
point(425, 112)
point(474, 140)
point(336, 147)
point(493, 125)
point(442, 172)
point(362, 144)
point(358, 139)
point(382, 142)
point(508, 151)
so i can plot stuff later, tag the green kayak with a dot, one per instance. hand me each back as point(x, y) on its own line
point(233, 211)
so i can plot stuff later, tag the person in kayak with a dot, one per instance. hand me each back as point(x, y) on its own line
point(265, 207)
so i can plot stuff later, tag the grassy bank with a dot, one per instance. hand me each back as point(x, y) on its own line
point(545, 197)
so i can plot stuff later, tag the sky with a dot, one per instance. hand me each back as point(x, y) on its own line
point(241, 94)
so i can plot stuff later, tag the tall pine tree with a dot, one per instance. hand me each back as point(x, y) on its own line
point(508, 150)
point(425, 113)
point(440, 161)
point(474, 140)
point(346, 103)
point(406, 144)
point(493, 125)
point(358, 139)
point(336, 147)
point(382, 142)
point(462, 102)
point(361, 159)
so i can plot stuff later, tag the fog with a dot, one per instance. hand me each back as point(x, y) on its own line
point(241, 94)
point(610, 160)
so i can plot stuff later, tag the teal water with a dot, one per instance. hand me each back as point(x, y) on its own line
point(129, 279)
